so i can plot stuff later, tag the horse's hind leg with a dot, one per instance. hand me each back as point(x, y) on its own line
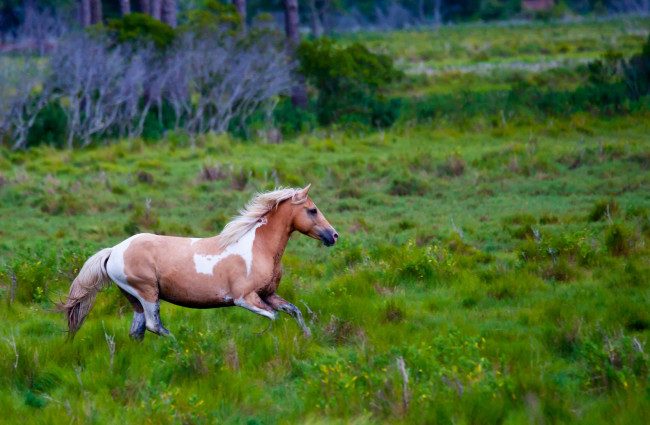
point(139, 324)
point(151, 310)
point(152, 316)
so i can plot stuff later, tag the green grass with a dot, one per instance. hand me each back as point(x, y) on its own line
point(467, 44)
point(507, 265)
point(484, 57)
point(437, 264)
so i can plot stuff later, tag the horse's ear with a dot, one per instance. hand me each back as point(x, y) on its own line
point(304, 192)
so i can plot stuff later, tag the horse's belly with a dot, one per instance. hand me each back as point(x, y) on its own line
point(196, 295)
point(184, 302)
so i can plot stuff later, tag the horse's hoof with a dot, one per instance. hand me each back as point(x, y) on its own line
point(139, 337)
point(159, 330)
point(307, 333)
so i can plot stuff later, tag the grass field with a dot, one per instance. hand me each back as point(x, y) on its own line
point(486, 57)
point(508, 270)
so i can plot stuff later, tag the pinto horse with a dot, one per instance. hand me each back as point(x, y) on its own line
point(239, 267)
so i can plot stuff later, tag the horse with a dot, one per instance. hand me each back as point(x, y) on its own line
point(242, 266)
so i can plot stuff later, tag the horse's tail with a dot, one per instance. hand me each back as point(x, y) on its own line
point(90, 281)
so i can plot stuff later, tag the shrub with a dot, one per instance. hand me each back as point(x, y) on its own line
point(602, 209)
point(617, 240)
point(36, 275)
point(393, 311)
point(49, 127)
point(214, 17)
point(142, 220)
point(637, 72)
point(292, 120)
point(410, 186)
point(632, 75)
point(612, 360)
point(351, 82)
point(136, 27)
point(453, 166)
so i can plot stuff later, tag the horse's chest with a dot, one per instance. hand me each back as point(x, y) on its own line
point(269, 281)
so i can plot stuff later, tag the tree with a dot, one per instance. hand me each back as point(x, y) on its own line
point(315, 23)
point(169, 12)
point(292, 22)
point(125, 7)
point(23, 94)
point(144, 7)
point(292, 27)
point(86, 15)
point(9, 21)
point(96, 14)
point(156, 9)
point(640, 7)
point(241, 8)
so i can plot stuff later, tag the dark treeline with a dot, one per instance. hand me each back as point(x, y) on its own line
point(322, 16)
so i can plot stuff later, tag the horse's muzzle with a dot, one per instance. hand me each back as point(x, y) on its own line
point(329, 237)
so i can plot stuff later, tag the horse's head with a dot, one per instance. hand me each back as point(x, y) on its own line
point(308, 219)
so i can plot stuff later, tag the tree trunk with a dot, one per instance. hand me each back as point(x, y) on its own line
point(96, 15)
point(292, 22)
point(30, 8)
point(144, 7)
point(437, 15)
point(156, 9)
point(292, 26)
point(86, 20)
point(324, 17)
point(125, 7)
point(316, 26)
point(169, 13)
point(421, 11)
point(241, 9)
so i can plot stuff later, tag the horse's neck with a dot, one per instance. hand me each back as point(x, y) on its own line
point(276, 232)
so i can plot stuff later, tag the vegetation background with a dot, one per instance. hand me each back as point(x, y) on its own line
point(490, 186)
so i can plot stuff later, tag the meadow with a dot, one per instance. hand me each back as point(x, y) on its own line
point(484, 274)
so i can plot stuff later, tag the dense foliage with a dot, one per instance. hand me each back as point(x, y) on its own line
point(141, 28)
point(351, 81)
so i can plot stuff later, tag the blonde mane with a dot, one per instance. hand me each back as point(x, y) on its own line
point(256, 208)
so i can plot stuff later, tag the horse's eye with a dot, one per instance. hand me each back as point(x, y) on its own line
point(312, 211)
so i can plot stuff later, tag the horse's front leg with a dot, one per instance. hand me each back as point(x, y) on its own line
point(254, 303)
point(280, 304)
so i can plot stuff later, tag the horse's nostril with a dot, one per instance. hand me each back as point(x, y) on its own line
point(336, 236)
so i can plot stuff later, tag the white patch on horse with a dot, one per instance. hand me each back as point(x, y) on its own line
point(115, 270)
point(239, 302)
point(194, 240)
point(204, 263)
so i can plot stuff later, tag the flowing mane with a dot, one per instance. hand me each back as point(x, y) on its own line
point(256, 208)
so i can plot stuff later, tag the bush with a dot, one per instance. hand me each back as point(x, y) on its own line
point(602, 209)
point(632, 75)
point(617, 240)
point(638, 72)
point(292, 120)
point(351, 82)
point(215, 17)
point(49, 127)
point(141, 27)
